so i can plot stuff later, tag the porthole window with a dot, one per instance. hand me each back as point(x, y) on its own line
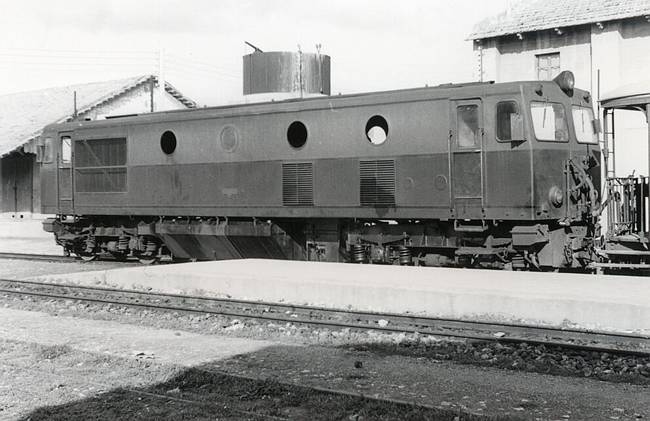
point(168, 142)
point(377, 130)
point(229, 138)
point(297, 134)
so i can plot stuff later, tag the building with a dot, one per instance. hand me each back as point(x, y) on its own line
point(24, 115)
point(605, 43)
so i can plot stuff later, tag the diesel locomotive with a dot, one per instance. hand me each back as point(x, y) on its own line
point(499, 175)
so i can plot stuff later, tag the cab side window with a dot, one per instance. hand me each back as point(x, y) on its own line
point(47, 150)
point(66, 150)
point(468, 133)
point(509, 121)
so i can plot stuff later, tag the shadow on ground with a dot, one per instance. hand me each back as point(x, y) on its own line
point(206, 392)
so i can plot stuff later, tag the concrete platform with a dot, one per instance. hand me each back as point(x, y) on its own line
point(603, 302)
point(26, 236)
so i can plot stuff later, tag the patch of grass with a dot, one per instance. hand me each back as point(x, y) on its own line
point(50, 352)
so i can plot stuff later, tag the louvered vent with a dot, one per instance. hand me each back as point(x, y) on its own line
point(298, 184)
point(377, 183)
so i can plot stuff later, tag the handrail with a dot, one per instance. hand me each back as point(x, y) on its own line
point(627, 206)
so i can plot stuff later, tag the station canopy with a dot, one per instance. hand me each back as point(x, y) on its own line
point(633, 96)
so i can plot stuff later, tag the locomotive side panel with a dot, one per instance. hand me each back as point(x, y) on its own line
point(243, 175)
point(205, 186)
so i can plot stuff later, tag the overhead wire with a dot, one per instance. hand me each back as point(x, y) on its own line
point(189, 68)
point(199, 63)
point(80, 51)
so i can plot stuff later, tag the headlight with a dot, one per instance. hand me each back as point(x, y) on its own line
point(566, 81)
point(556, 196)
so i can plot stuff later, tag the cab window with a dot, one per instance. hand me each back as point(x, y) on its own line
point(509, 121)
point(583, 121)
point(467, 117)
point(66, 150)
point(47, 150)
point(549, 121)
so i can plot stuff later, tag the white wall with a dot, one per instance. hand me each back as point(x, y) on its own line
point(136, 101)
point(619, 51)
point(508, 58)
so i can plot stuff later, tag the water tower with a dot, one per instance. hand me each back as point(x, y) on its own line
point(279, 75)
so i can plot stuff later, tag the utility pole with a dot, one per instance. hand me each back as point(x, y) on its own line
point(74, 100)
point(300, 82)
point(161, 78)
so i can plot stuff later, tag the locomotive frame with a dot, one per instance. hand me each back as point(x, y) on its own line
point(447, 175)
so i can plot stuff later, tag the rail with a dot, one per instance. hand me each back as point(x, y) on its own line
point(627, 344)
point(37, 257)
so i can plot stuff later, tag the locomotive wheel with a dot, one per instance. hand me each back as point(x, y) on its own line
point(87, 257)
point(120, 257)
point(147, 260)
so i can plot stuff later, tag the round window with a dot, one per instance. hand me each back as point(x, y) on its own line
point(229, 138)
point(168, 142)
point(377, 130)
point(297, 134)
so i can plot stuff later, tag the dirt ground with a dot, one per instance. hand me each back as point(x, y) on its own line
point(64, 367)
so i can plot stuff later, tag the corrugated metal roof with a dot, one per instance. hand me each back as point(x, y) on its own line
point(23, 115)
point(535, 15)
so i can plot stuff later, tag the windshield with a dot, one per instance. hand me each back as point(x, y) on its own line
point(583, 121)
point(549, 121)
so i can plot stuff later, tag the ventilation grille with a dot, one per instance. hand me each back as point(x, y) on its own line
point(377, 183)
point(298, 184)
point(100, 165)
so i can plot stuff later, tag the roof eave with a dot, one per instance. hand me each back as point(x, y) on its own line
point(628, 102)
point(490, 34)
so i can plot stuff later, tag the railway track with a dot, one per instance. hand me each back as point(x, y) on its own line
point(63, 259)
point(627, 344)
point(37, 257)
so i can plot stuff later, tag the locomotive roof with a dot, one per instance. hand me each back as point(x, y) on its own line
point(449, 90)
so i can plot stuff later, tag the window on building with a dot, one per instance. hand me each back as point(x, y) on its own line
point(548, 66)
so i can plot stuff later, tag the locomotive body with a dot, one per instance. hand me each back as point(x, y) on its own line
point(496, 175)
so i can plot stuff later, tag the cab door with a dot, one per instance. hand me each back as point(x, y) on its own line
point(65, 198)
point(466, 159)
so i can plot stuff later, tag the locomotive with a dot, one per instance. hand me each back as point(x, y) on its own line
point(497, 175)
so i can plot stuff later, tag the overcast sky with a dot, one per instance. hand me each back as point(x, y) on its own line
point(374, 44)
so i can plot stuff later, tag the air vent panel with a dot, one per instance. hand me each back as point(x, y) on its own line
point(298, 184)
point(377, 182)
